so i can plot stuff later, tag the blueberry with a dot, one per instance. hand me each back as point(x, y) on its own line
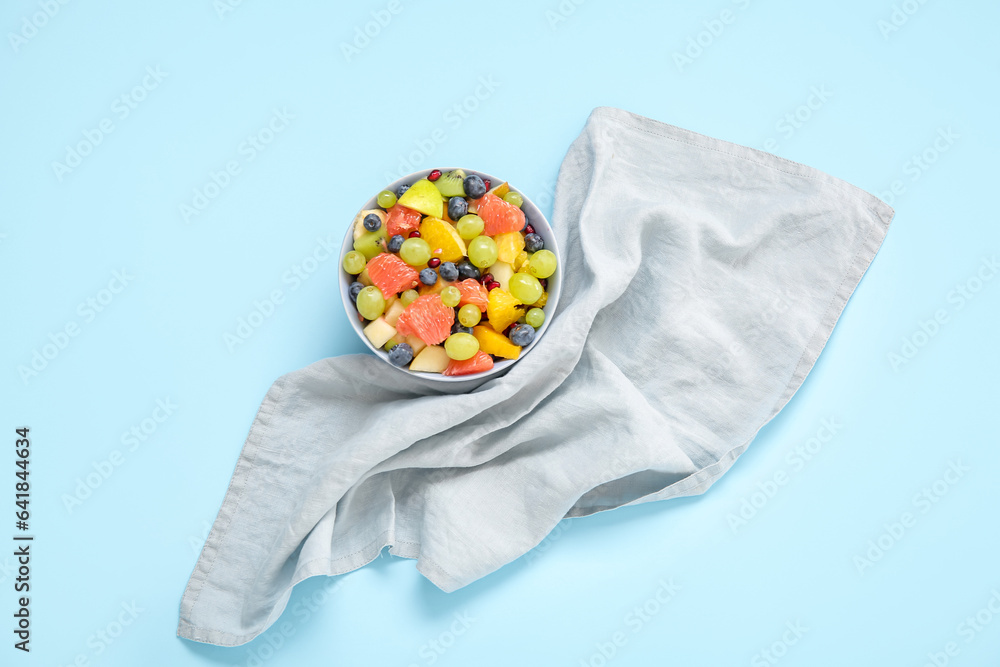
point(467, 269)
point(474, 186)
point(457, 207)
point(448, 271)
point(400, 355)
point(401, 189)
point(458, 328)
point(372, 222)
point(428, 276)
point(522, 334)
point(355, 290)
point(395, 243)
point(533, 243)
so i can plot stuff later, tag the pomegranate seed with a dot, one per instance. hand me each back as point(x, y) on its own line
point(434, 175)
point(492, 285)
point(486, 182)
point(544, 283)
point(434, 262)
point(414, 235)
point(488, 278)
point(529, 230)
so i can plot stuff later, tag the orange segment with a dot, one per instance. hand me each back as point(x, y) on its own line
point(509, 246)
point(444, 240)
point(502, 309)
point(495, 343)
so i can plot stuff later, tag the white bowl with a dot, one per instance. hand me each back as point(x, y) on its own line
point(535, 219)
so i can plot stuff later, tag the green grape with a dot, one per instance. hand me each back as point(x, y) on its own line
point(482, 251)
point(450, 296)
point(470, 226)
point(461, 346)
point(469, 315)
point(535, 317)
point(354, 262)
point(525, 288)
point(415, 251)
point(542, 264)
point(408, 297)
point(386, 199)
point(514, 198)
point(370, 302)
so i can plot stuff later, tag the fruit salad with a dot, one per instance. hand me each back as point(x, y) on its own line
point(448, 274)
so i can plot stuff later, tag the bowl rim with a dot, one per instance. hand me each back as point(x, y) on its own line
point(500, 367)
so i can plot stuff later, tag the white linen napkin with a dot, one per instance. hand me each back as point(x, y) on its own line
point(701, 280)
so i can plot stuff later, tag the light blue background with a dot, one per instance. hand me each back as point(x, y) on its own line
point(135, 538)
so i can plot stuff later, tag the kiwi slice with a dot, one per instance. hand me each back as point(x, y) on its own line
point(450, 184)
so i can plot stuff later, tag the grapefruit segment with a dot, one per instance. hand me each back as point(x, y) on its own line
point(402, 221)
point(391, 274)
point(498, 216)
point(481, 362)
point(473, 292)
point(426, 318)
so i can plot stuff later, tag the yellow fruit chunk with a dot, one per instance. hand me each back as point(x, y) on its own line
point(502, 309)
point(364, 279)
point(509, 245)
point(444, 240)
point(542, 300)
point(501, 189)
point(379, 332)
point(424, 197)
point(502, 271)
point(519, 261)
point(495, 343)
point(432, 289)
point(432, 359)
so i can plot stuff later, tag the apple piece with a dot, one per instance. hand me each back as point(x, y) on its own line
point(392, 314)
point(502, 272)
point(364, 279)
point(423, 196)
point(432, 359)
point(359, 221)
point(379, 332)
point(416, 344)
